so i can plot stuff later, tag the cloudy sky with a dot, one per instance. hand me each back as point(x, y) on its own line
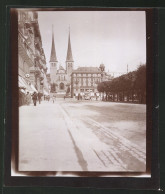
point(115, 38)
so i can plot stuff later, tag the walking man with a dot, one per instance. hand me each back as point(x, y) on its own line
point(34, 97)
point(39, 97)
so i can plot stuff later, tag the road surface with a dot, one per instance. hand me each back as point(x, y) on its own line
point(82, 136)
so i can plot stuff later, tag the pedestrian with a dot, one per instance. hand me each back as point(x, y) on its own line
point(28, 98)
point(39, 97)
point(48, 98)
point(64, 97)
point(53, 98)
point(34, 97)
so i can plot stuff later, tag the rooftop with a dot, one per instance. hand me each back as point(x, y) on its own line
point(87, 69)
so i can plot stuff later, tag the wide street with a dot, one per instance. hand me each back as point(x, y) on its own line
point(75, 135)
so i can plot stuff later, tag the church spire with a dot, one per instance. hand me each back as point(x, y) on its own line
point(53, 57)
point(69, 52)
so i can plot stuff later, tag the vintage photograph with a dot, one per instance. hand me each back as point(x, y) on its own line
point(82, 91)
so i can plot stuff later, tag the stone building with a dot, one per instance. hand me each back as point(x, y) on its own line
point(85, 79)
point(31, 58)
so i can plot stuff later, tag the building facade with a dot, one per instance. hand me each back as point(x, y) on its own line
point(31, 58)
point(85, 79)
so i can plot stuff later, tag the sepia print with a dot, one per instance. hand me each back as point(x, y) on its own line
point(82, 91)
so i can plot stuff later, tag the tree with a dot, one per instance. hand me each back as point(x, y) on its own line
point(140, 83)
point(127, 85)
point(100, 87)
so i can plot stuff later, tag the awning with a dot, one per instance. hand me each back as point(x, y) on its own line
point(33, 88)
point(23, 84)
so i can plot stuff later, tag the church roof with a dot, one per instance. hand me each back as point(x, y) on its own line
point(53, 57)
point(69, 56)
point(87, 69)
point(61, 68)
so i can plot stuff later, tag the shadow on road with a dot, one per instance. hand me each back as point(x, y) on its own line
point(79, 154)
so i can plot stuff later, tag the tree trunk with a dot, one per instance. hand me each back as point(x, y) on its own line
point(132, 95)
point(103, 96)
point(113, 97)
point(127, 97)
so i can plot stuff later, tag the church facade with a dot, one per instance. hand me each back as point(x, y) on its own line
point(60, 78)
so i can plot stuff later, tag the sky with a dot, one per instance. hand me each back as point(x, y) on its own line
point(114, 38)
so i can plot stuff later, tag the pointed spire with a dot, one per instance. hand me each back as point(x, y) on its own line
point(69, 52)
point(53, 57)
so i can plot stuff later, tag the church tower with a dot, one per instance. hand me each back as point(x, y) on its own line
point(53, 61)
point(69, 58)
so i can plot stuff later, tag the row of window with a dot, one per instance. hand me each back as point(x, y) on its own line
point(87, 75)
point(86, 79)
point(53, 64)
point(85, 83)
point(61, 77)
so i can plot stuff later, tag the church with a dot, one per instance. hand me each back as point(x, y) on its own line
point(60, 78)
point(70, 80)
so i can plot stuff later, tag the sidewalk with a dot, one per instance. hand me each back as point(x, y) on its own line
point(44, 143)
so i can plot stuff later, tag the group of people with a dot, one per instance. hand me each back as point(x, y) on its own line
point(87, 96)
point(35, 96)
point(28, 98)
point(48, 98)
